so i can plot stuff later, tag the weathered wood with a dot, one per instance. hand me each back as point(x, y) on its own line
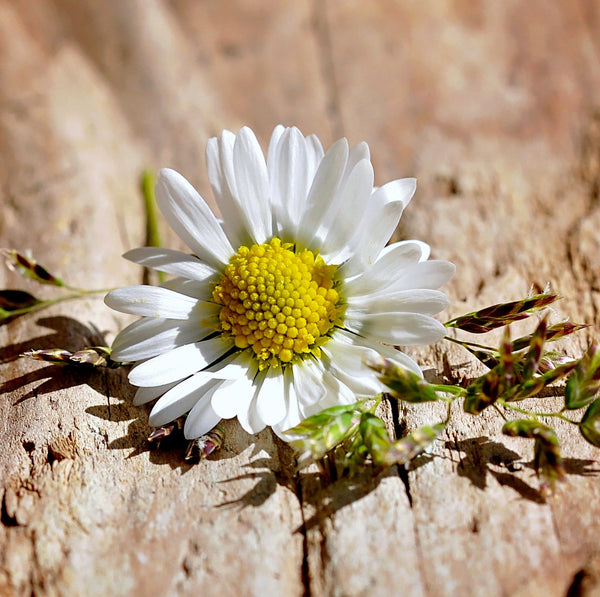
point(493, 106)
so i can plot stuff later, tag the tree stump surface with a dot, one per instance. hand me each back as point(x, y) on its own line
point(493, 106)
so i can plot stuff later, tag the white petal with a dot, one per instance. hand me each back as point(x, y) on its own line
point(293, 416)
point(289, 186)
point(191, 218)
point(379, 222)
point(252, 185)
point(247, 414)
point(405, 329)
point(234, 366)
point(387, 352)
point(347, 363)
point(396, 191)
point(336, 393)
point(424, 300)
point(202, 417)
point(323, 189)
point(196, 289)
point(357, 153)
point(171, 262)
point(180, 399)
point(151, 301)
point(273, 143)
point(426, 274)
point(144, 395)
point(314, 153)
point(394, 261)
point(149, 336)
point(219, 159)
point(233, 397)
point(351, 206)
point(178, 363)
point(308, 382)
point(270, 402)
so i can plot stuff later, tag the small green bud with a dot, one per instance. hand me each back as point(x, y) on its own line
point(409, 447)
point(403, 384)
point(547, 455)
point(30, 268)
point(202, 447)
point(94, 356)
point(490, 318)
point(584, 382)
point(590, 424)
point(376, 438)
point(322, 432)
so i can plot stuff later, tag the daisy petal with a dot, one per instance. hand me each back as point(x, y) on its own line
point(144, 395)
point(202, 417)
point(247, 413)
point(151, 301)
point(273, 143)
point(293, 415)
point(200, 290)
point(290, 186)
point(252, 183)
point(219, 160)
point(424, 300)
point(385, 351)
point(307, 382)
point(178, 363)
point(270, 404)
point(180, 399)
point(149, 336)
point(380, 221)
point(191, 218)
point(347, 362)
point(352, 204)
point(399, 329)
point(426, 274)
point(398, 260)
point(233, 396)
point(324, 188)
point(314, 153)
point(171, 262)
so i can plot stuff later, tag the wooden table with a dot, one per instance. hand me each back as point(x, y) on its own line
point(494, 106)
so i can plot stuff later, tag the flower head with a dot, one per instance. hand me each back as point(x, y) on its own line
point(274, 315)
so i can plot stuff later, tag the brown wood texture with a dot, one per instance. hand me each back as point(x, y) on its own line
point(494, 106)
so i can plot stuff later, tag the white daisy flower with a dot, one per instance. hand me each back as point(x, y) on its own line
point(274, 314)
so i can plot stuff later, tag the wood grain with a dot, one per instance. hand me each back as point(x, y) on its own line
point(495, 107)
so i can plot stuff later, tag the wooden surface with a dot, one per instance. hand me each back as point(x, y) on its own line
point(494, 106)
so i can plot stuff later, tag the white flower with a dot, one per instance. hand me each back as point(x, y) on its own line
point(273, 315)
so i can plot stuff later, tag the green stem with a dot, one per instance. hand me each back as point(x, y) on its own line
point(557, 415)
point(466, 343)
point(456, 391)
point(77, 293)
point(153, 239)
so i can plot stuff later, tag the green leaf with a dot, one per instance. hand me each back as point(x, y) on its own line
point(590, 424)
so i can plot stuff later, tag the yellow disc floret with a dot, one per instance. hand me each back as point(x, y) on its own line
point(279, 303)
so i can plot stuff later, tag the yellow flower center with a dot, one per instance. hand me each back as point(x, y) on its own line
point(279, 303)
